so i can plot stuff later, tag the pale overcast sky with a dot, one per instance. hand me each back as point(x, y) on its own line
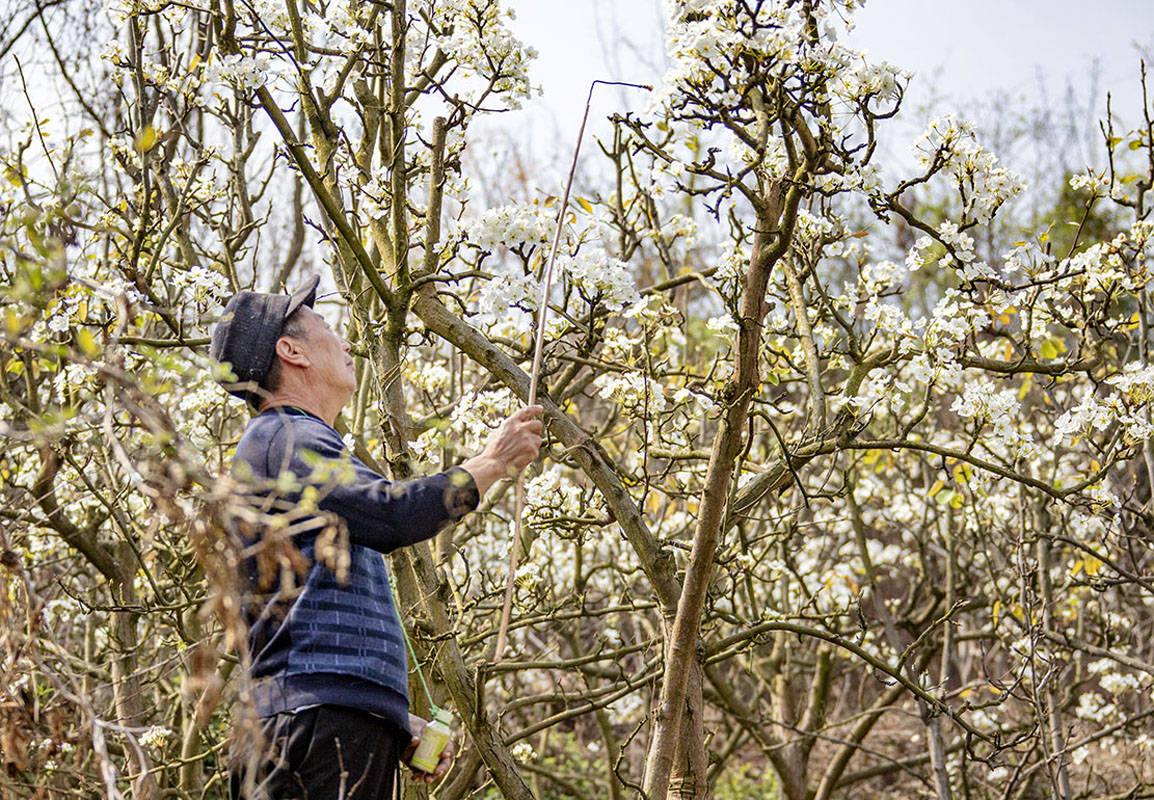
point(964, 49)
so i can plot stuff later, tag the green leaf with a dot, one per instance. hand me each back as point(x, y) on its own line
point(585, 204)
point(87, 343)
point(13, 324)
point(145, 140)
point(1136, 144)
point(1049, 351)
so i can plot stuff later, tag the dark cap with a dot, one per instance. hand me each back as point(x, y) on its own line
point(245, 338)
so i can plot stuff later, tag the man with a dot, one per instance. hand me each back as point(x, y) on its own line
point(328, 659)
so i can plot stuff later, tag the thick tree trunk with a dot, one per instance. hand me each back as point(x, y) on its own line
point(191, 772)
point(689, 777)
point(681, 644)
point(126, 684)
point(1051, 709)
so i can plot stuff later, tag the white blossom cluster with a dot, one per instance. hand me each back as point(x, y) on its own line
point(723, 53)
point(631, 391)
point(374, 194)
point(1095, 708)
point(983, 183)
point(432, 378)
point(513, 225)
point(479, 40)
point(983, 402)
point(242, 71)
point(342, 26)
point(601, 277)
point(954, 318)
point(703, 36)
point(508, 297)
point(205, 284)
point(467, 426)
point(155, 737)
point(1102, 267)
point(275, 15)
point(1135, 383)
point(1090, 181)
point(524, 752)
point(1110, 679)
point(1093, 413)
point(552, 494)
point(858, 78)
point(506, 302)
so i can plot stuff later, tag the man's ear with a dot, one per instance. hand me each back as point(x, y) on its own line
point(289, 351)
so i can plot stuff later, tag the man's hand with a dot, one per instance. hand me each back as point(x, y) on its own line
point(416, 725)
point(512, 447)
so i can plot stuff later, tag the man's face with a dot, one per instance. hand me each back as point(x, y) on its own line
point(330, 365)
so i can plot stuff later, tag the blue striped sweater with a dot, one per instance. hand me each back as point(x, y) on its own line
point(315, 638)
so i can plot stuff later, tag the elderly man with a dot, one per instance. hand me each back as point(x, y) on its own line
point(328, 664)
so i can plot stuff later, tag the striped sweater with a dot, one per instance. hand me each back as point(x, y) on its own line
point(322, 637)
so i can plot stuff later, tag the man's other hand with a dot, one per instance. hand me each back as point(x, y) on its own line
point(509, 449)
point(417, 725)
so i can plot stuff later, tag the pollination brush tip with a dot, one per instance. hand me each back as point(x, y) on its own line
point(644, 86)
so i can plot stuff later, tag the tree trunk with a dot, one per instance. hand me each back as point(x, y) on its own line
point(689, 777)
point(682, 641)
point(126, 685)
point(1059, 775)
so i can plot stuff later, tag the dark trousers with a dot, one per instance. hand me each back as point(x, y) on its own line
point(323, 753)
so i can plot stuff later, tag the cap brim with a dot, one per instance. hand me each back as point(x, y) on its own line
point(304, 296)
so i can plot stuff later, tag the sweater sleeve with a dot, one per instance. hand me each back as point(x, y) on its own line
point(380, 514)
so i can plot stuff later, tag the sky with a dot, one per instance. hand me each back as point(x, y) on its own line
point(960, 51)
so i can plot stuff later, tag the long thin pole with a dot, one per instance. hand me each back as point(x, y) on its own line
point(535, 372)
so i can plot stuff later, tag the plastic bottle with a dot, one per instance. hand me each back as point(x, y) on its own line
point(433, 740)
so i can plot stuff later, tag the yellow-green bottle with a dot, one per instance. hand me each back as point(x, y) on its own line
point(433, 740)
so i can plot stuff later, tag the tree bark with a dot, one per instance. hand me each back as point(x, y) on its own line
point(769, 245)
point(1059, 775)
point(689, 775)
point(126, 685)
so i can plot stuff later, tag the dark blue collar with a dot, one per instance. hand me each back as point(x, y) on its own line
point(294, 411)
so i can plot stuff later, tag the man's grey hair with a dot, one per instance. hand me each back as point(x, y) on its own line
point(294, 328)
